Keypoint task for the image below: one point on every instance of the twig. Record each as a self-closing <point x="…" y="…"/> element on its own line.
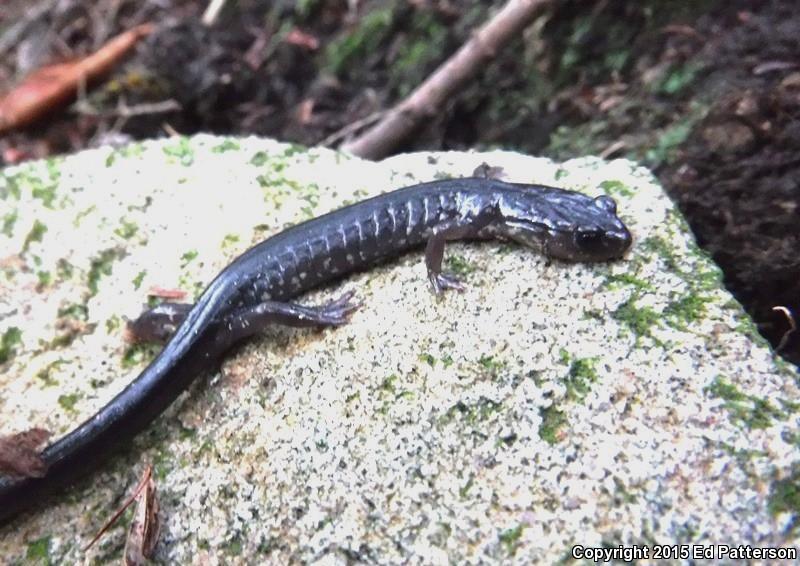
<point x="256" y="54"/>
<point x="770" y="66"/>
<point x="12" y="35"/>
<point x="127" y="112"/>
<point x="212" y="12"/>
<point x="792" y="327"/>
<point x="431" y="95"/>
<point x="171" y="132"/>
<point x="618" y="145"/>
<point x="677" y="29"/>
<point x="124" y="111"/>
<point x="352" y="128"/>
<point x="103" y="19"/>
<point x="148" y="471"/>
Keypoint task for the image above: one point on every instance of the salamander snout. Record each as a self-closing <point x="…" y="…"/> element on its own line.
<point x="589" y="243"/>
<point x="599" y="244"/>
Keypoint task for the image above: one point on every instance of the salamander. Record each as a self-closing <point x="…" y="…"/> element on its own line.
<point x="258" y="289"/>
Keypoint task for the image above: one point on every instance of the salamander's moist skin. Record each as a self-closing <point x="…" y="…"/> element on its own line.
<point x="256" y="289"/>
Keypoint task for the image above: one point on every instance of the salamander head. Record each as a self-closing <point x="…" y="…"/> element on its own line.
<point x="569" y="226"/>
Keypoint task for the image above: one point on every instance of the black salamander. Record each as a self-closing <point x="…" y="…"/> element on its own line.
<point x="257" y="289"/>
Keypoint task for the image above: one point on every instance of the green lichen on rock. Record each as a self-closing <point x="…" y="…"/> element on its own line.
<point x="11" y="338"/>
<point x="553" y="422"/>
<point x="753" y="412"/>
<point x="784" y="497"/>
<point x="638" y="319"/>
<point x="582" y="374"/>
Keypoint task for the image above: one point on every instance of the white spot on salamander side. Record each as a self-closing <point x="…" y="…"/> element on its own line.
<point x="360" y="230"/>
<point x="295" y="282"/>
<point x="326" y="263"/>
<point x="350" y="259"/>
<point x="393" y="217"/>
<point x="376" y="223"/>
<point x="303" y="275"/>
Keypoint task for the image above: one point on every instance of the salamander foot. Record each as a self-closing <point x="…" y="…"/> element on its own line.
<point x="443" y="281"/>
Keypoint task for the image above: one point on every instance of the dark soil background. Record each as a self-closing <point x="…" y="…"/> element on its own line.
<point x="706" y="93"/>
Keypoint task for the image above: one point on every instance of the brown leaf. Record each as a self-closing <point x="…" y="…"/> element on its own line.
<point x="143" y="533"/>
<point x="305" y="111"/>
<point x="51" y="87"/>
<point x="19" y="453"/>
<point x="12" y="155"/>
<point x="302" y="39"/>
<point x="164" y="293"/>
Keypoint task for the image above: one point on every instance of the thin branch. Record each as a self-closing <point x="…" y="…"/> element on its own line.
<point x="212" y="12"/>
<point x="610" y="150"/>
<point x="351" y="128"/>
<point x="122" y="110"/>
<point x="103" y="19"/>
<point x="792" y="326"/>
<point x="148" y="473"/>
<point x="427" y="100"/>
<point x="11" y="37"/>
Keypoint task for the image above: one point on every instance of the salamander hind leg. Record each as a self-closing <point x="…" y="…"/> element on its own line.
<point x="251" y="320"/>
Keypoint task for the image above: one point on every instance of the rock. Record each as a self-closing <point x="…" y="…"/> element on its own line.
<point x="549" y="405"/>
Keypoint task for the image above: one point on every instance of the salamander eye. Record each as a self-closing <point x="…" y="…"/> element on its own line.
<point x="588" y="239"/>
<point x="606" y="203"/>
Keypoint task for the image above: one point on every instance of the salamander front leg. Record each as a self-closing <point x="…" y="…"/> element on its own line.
<point x="434" y="253"/>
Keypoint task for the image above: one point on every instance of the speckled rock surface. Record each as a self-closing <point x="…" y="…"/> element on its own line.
<point x="547" y="406"/>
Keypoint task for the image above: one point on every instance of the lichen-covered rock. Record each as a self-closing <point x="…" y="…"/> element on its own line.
<point x="549" y="405"/>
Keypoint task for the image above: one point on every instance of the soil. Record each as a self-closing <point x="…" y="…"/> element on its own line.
<point x="706" y="93"/>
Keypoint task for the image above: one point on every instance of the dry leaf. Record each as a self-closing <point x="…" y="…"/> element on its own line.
<point x="305" y="111"/>
<point x="143" y="534"/>
<point x="20" y="455"/>
<point x="163" y="293"/>
<point x="302" y="39"/>
<point x="53" y="86"/>
<point x="12" y="155"/>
